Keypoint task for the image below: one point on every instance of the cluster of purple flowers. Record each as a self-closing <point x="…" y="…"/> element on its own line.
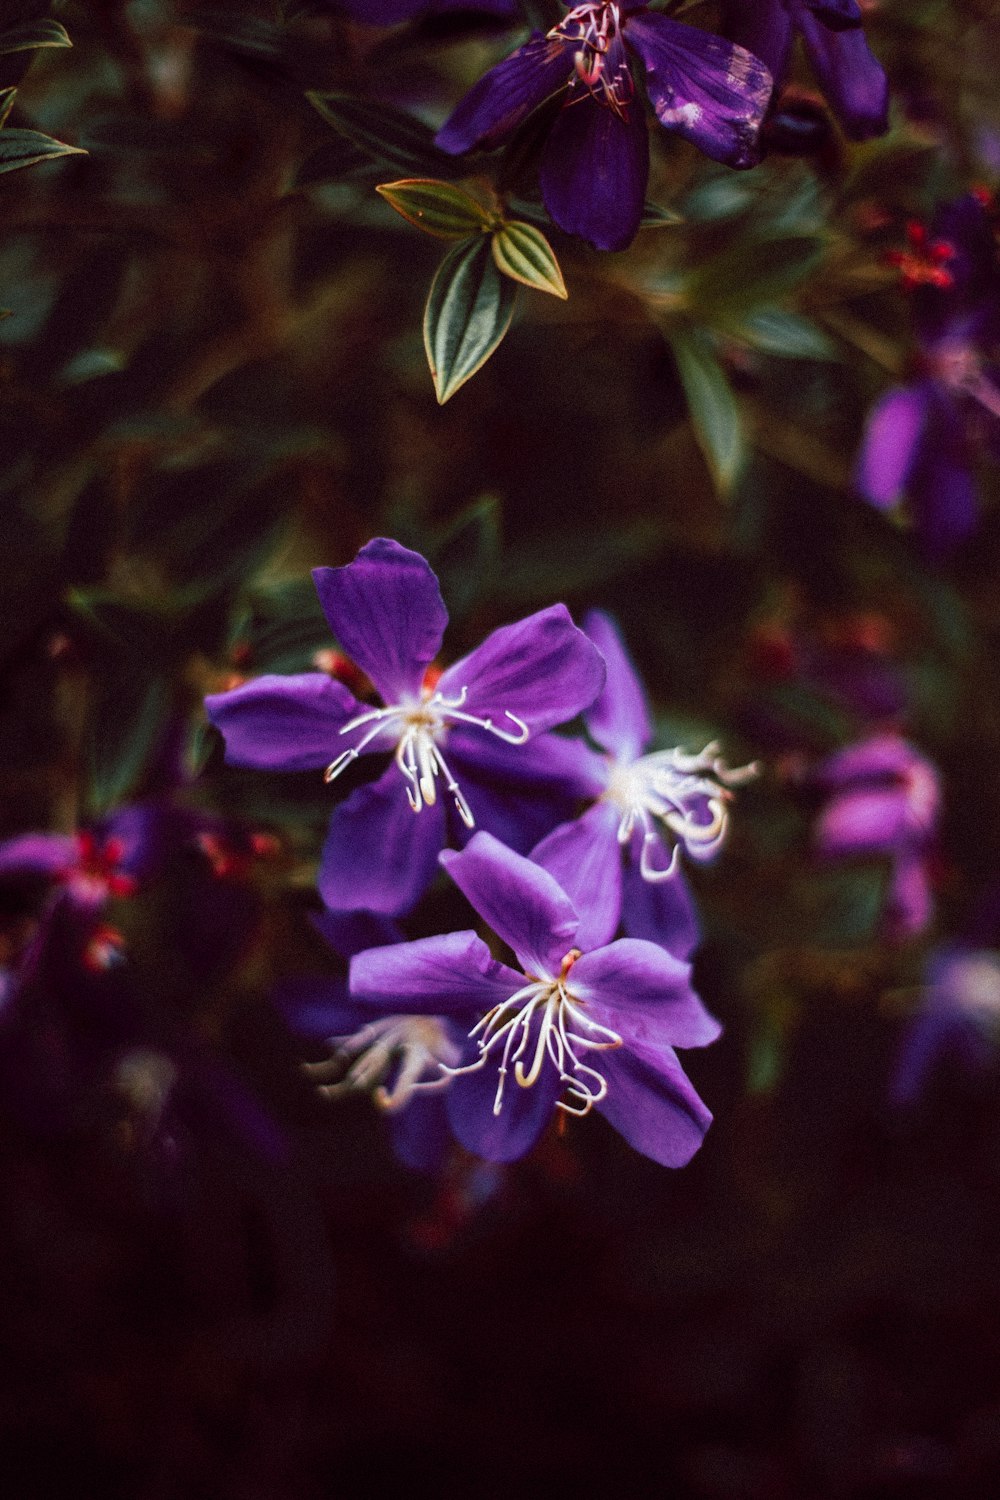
<point x="923" y="436"/>
<point x="712" y="90"/>
<point x="451" y="1039"/>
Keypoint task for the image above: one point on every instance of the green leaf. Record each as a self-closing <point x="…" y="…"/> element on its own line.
<point x="522" y="252"/>
<point x="467" y="314"/>
<point x="654" y="216"/>
<point x="712" y="405"/>
<point x="22" y="148"/>
<point x="25" y="38"/>
<point x="388" y="135"/>
<point x="438" y="208"/>
<point x="7" y="97"/>
<point x="786" y="334"/>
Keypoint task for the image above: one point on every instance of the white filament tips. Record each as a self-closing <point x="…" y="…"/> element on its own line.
<point x="418" y="727"/>
<point x="543" y="1021"/>
<point x="677" y="801"/>
<point x="409" y="1050"/>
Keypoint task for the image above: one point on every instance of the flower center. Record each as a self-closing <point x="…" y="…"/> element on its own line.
<point x="544" y="1020"/>
<point x="418" y="727"/>
<point x="599" y="58"/>
<point x="403" y="1048"/>
<point x="675" y="800"/>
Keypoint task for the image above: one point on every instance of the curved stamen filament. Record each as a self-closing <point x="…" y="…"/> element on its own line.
<point x="418" y="727"/>
<point x="418" y="1043"/>
<point x="563" y="1030"/>
<point x="666" y="795"/>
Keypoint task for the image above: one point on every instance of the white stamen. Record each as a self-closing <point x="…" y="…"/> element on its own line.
<point x="418" y="1044"/>
<point x="563" y="1030"/>
<point x="665" y="795"/>
<point x="418" y="727"/>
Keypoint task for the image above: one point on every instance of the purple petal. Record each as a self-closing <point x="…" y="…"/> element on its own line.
<point x="39" y="854"/>
<point x="283" y="723"/>
<point x="710" y="91"/>
<point x="585" y="859"/>
<point x="542" y="669"/>
<point x="421" y="1139"/>
<point x="891" y="443"/>
<point x="763" y="27"/>
<point x="619" y="720"/>
<point x="506" y="95"/>
<point x="348" y="932"/>
<point x="852" y="79"/>
<point x="380" y="856"/>
<point x="652" y="1103"/>
<point x="520" y="901"/>
<point x="838" y="15"/>
<point x="385" y="609"/>
<point x="553" y="761"/>
<point x="909" y="902"/>
<point x="863" y="821"/>
<point x="594" y="171"/>
<point x="523" y="1116"/>
<point x="642" y="991"/>
<point x="518" y="816"/>
<point x="943" y="486"/>
<point x="661" y="911"/>
<point x="319" y="1008"/>
<point x="883" y="756"/>
<point x="454" y="974"/>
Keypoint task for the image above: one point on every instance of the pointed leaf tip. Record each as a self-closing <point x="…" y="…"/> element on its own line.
<point x="467" y="314"/>
<point x="438" y="208"/>
<point x="522" y="252"/>
<point x="714" y="411"/>
<point x="43" y="33"/>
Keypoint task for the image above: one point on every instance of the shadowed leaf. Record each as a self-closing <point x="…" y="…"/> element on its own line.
<point x="22" y="148"/>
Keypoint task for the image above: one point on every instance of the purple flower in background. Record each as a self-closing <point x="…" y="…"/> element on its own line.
<point x="595" y="161"/>
<point x="959" y="1017"/>
<point x="91" y="866"/>
<point x="922" y="438"/>
<point x="851" y="78"/>
<point x="397" y="1059"/>
<point x="473" y="721"/>
<point x="885" y="799"/>
<point x="623" y="853"/>
<point x="580" y="1027"/>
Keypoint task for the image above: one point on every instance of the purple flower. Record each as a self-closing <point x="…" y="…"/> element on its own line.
<point x="581" y="1026"/>
<point x="397" y="1059"/>
<point x="72" y="1027"/>
<point x="595" y="161"/>
<point x="624" y="851"/>
<point x="922" y="438"/>
<point x="851" y="78"/>
<point x="470" y="724"/>
<point x="91" y="866"/>
<point x="959" y="1017"/>
<point x="885" y="800"/>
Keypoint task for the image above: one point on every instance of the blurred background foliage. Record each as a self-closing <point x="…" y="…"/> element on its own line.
<point x="213" y="379"/>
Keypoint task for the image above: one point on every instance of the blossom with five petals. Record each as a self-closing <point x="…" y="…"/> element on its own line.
<point x="462" y="736"/>
<point x="595" y="161"/>
<point x="580" y="1026"/>
<point x="625" y="848"/>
